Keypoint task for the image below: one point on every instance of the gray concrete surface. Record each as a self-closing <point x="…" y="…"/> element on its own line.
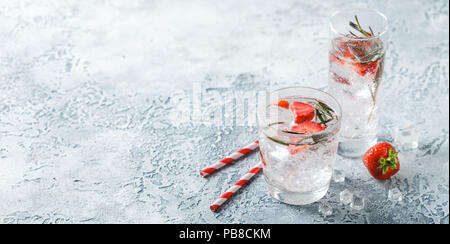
<point x="90" y="93"/>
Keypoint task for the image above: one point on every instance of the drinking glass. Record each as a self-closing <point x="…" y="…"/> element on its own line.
<point x="298" y="166"/>
<point x="358" y="39"/>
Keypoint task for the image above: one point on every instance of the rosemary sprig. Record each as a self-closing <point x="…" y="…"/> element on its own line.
<point x="320" y="116"/>
<point x="293" y="132"/>
<point x="371" y="55"/>
<point x="377" y="85"/>
<point x="365" y="33"/>
<point x="327" y="109"/>
<point x="353" y="34"/>
<point x="371" y="31"/>
<point x="358" y="27"/>
<point x="286" y="143"/>
<point x="276" y="123"/>
<point x="323" y="112"/>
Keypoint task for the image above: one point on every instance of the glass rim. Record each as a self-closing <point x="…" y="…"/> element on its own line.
<point x="334" y="127"/>
<point x="386" y="24"/>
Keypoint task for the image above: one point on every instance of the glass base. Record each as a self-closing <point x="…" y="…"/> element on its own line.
<point x="297" y="198"/>
<point x="356" y="147"/>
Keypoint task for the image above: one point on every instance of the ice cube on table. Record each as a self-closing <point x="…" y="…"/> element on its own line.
<point x="325" y="209"/>
<point x="338" y="176"/>
<point x="395" y="195"/>
<point x="357" y="203"/>
<point x="407" y="137"/>
<point x="346" y="197"/>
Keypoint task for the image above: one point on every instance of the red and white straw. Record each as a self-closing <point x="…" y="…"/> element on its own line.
<point x="229" y="159"/>
<point x="238" y="185"/>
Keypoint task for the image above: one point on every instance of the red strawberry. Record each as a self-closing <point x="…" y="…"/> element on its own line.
<point x="308" y="127"/>
<point x="296" y="149"/>
<point x="346" y="56"/>
<point x="337" y="78"/>
<point x="302" y="112"/>
<point x="344" y="50"/>
<point x="283" y="104"/>
<point x="340" y="79"/>
<point x="370" y="68"/>
<point x="381" y="160"/>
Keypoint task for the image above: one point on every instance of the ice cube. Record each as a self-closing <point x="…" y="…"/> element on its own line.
<point x="395" y="195"/>
<point x="279" y="154"/>
<point x="338" y="176"/>
<point x="325" y="209"/>
<point x="357" y="203"/>
<point x="346" y="197"/>
<point x="407" y="137"/>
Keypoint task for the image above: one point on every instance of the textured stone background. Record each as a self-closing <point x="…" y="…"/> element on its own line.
<point x="88" y="90"/>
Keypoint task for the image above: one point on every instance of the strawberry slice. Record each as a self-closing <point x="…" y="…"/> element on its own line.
<point x="308" y="127"/>
<point x="370" y="68"/>
<point x="362" y="69"/>
<point x="302" y="112"/>
<point x="340" y="79"/>
<point x="283" y="104"/>
<point x="348" y="50"/>
<point x="296" y="149"/>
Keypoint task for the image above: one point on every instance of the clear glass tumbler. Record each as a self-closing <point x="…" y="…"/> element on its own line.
<point x="298" y="157"/>
<point x="358" y="39"/>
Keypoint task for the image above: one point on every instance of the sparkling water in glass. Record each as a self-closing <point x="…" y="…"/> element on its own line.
<point x="356" y="62"/>
<point x="298" y="166"/>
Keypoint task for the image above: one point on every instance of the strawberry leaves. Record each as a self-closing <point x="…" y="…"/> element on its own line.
<point x="390" y="161"/>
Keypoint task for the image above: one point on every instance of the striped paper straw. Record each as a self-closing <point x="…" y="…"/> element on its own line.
<point x="244" y="179"/>
<point x="229" y="159"/>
